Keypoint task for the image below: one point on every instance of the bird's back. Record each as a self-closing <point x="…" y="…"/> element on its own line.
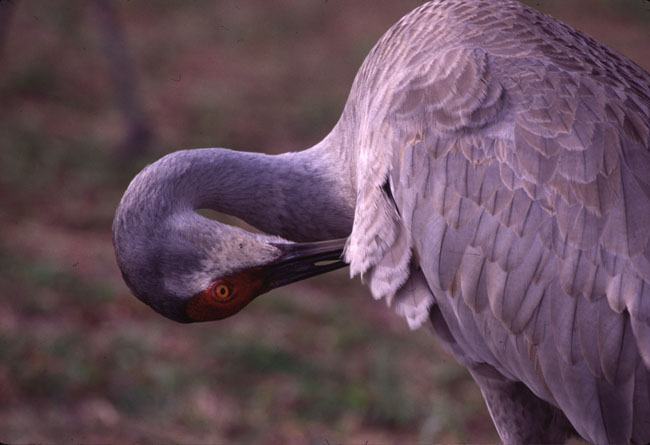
<point x="503" y="176"/>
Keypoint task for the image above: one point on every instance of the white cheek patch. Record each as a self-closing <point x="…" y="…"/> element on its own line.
<point x="210" y="250"/>
<point x="188" y="284"/>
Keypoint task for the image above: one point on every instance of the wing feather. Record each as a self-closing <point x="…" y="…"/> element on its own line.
<point x="641" y="415"/>
<point x="543" y="235"/>
<point x="472" y="274"/>
<point x="587" y="332"/>
<point x="522" y="175"/>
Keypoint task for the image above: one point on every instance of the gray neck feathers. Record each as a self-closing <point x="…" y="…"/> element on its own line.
<point x="166" y="250"/>
<point x="300" y="196"/>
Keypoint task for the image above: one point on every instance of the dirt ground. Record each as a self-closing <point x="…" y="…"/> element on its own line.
<point x="81" y="360"/>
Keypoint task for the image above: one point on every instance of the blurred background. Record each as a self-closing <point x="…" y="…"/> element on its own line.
<point x="92" y="91"/>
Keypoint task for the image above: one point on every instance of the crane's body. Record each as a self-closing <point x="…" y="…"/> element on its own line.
<point x="492" y="170"/>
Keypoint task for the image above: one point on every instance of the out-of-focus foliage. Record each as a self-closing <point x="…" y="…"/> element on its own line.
<point x="83" y="361"/>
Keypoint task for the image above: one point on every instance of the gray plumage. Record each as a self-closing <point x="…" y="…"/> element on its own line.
<point x="493" y="166"/>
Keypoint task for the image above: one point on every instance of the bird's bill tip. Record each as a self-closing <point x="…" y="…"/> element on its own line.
<point x="300" y="261"/>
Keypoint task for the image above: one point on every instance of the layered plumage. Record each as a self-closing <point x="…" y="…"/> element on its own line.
<point x="516" y="150"/>
<point x="496" y="164"/>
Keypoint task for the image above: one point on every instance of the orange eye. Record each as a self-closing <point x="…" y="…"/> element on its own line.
<point x="221" y="291"/>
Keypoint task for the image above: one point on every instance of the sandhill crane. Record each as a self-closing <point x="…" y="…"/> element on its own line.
<point x="490" y="174"/>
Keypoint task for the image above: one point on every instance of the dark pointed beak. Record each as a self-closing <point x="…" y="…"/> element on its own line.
<point x="228" y="295"/>
<point x="304" y="260"/>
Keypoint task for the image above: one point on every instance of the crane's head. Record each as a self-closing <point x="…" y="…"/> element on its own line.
<point x="209" y="271"/>
<point x="191" y="268"/>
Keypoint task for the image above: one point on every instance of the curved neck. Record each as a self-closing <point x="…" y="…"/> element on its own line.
<point x="303" y="196"/>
